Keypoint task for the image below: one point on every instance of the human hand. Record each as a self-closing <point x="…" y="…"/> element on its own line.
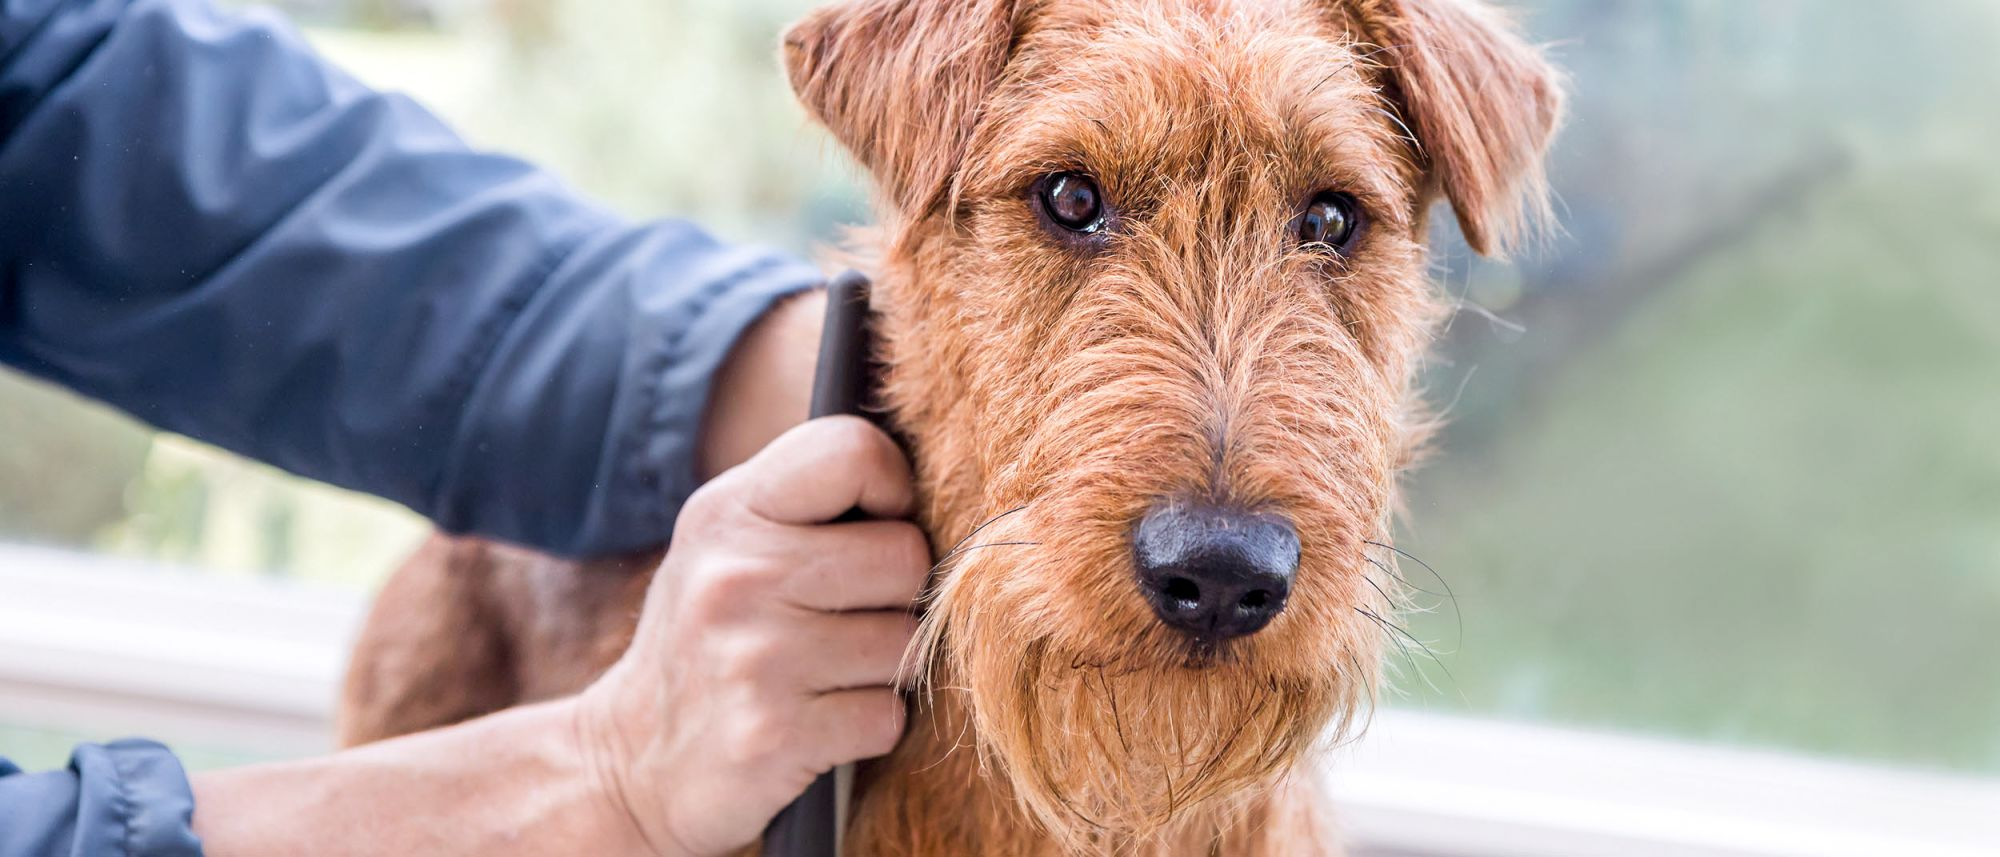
<point x="768" y="644"/>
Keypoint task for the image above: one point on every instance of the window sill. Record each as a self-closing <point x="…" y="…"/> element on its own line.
<point x="105" y="646"/>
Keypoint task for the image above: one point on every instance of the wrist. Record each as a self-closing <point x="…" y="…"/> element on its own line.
<point x="617" y="812"/>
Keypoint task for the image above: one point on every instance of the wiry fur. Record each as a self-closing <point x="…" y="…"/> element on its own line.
<point x="1050" y="392"/>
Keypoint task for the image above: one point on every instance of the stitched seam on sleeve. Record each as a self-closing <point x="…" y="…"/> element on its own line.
<point x="636" y="446"/>
<point x="473" y="364"/>
<point x="121" y="799"/>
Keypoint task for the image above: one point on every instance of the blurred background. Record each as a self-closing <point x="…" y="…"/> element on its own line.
<point x="1723" y="461"/>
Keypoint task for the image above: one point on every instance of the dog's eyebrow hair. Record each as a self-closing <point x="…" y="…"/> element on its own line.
<point x="1408" y="135"/>
<point x="1349" y="64"/>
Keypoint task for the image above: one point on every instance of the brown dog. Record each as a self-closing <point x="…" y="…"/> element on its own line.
<point x="1151" y="277"/>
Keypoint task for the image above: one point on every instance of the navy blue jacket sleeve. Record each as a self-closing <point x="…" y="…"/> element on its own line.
<point x="123" y="799"/>
<point x="207" y="226"/>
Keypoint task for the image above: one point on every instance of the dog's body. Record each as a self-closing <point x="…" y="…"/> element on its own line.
<point x="1151" y="286"/>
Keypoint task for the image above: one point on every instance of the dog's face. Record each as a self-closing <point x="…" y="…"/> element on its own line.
<point x="1154" y="286"/>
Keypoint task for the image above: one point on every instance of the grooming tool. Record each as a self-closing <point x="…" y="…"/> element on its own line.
<point x="814" y="824"/>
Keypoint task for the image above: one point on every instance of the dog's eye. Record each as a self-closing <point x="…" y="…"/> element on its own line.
<point x="1073" y="202"/>
<point x="1331" y="220"/>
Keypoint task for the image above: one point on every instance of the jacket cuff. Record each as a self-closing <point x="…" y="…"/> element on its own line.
<point x="134" y="800"/>
<point x="677" y="388"/>
<point x="580" y="431"/>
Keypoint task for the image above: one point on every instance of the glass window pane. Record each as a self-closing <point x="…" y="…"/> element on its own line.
<point x="1721" y="460"/>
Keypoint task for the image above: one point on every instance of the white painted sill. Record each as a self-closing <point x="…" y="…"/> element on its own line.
<point x="103" y="646"/>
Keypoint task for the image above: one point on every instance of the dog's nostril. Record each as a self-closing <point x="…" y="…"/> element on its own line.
<point x="1183" y="591"/>
<point x="1214" y="573"/>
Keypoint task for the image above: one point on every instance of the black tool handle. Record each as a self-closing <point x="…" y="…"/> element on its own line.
<point x="810" y="826"/>
<point x="846" y="372"/>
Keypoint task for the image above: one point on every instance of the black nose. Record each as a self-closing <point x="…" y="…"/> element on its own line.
<point x="1212" y="572"/>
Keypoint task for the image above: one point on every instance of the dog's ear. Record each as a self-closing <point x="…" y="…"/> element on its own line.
<point x="1482" y="102"/>
<point x="900" y="83"/>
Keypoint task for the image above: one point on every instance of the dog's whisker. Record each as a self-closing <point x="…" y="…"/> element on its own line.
<point x="1398" y="629"/>
<point x="1403" y="650"/>
<point x="987" y="523"/>
<point x="1400" y="579"/>
<point x="956" y="552"/>
<point x="928" y="645"/>
<point x="1412" y="557"/>
<point x="1458" y="615"/>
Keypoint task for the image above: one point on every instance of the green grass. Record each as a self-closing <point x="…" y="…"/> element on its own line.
<point x="1767" y="511"/>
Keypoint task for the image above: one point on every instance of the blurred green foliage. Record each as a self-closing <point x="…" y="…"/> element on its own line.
<point x="1722" y="460"/>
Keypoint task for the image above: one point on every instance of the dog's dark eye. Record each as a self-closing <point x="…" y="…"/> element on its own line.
<point x="1073" y="202"/>
<point x="1331" y="220"/>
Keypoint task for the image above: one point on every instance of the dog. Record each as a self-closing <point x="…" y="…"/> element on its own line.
<point x="1151" y="278"/>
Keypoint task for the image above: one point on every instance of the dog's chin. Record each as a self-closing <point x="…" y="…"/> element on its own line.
<point x="1101" y="750"/>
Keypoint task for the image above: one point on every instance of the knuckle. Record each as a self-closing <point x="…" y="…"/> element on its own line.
<point x="751" y="661"/>
<point x="755" y="739"/>
<point x="851" y="438"/>
<point x="725" y="587"/>
<point x="707" y="507"/>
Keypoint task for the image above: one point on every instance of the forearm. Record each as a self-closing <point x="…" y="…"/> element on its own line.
<point x="517" y="782"/>
<point x="765" y="387"/>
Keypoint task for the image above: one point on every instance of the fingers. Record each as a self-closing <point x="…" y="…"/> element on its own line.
<point x="865" y="565"/>
<point x="851" y="725"/>
<point x="834" y="652"/>
<point x="827" y="466"/>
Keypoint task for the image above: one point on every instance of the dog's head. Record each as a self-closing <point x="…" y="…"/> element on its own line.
<point x="1153" y="288"/>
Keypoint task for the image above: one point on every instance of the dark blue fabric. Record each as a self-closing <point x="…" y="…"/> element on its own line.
<point x="123" y="798"/>
<point x="207" y="226"/>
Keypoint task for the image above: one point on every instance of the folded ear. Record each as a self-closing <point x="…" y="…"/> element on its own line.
<point x="900" y="83"/>
<point x="1482" y="102"/>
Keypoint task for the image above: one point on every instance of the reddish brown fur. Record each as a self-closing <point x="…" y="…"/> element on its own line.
<point x="1051" y="394"/>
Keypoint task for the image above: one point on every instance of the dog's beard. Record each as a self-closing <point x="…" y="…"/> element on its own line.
<point x="1105" y="727"/>
<point x="1131" y="747"/>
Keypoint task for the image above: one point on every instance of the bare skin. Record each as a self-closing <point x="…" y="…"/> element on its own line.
<point x="765" y="654"/>
<point x="764" y="386"/>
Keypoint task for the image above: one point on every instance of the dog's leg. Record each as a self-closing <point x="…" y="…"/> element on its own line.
<point x="433" y="651"/>
<point x="467" y="628"/>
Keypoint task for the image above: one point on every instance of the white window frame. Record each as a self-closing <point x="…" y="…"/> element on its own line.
<point x="90" y="644"/>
